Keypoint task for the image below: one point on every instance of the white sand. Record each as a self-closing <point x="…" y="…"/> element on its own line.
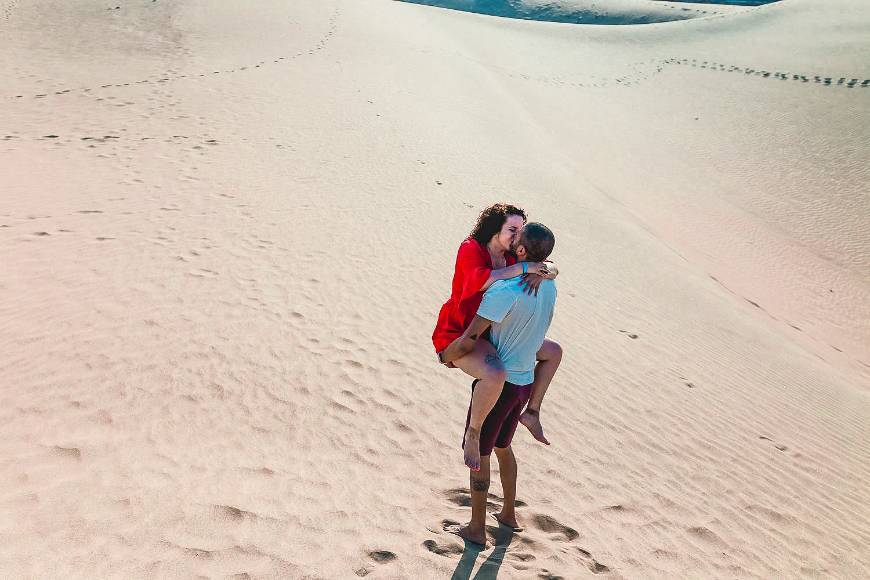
<point x="220" y="277"/>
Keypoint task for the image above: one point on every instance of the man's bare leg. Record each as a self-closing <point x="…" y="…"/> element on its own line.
<point x="482" y="363"/>
<point x="549" y="356"/>
<point x="475" y="531"/>
<point x="507" y="467"/>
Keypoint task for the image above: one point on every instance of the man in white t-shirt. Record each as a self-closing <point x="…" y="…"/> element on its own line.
<point x="519" y="324"/>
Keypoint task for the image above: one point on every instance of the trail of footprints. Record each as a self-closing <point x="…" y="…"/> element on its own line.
<point x="644" y="70"/>
<point x="638" y="76"/>
<point x="544" y="537"/>
<point x="199" y="142"/>
<point x="849" y="83"/>
<point x="166" y="78"/>
<point x="7" y="8"/>
<point x="625" y="80"/>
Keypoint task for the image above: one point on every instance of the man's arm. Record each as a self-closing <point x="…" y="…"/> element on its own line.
<point x="465" y="343"/>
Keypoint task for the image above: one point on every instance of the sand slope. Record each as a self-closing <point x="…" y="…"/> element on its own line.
<point x="225" y="231"/>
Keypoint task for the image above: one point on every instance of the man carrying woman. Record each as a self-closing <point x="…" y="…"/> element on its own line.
<point x="519" y="322"/>
<point x="484" y="257"/>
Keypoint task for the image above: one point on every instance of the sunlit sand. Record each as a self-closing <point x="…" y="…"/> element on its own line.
<point x="226" y="229"/>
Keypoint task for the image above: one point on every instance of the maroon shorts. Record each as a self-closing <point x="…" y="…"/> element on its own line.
<point x="501" y="423"/>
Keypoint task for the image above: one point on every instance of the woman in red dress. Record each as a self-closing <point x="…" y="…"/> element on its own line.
<point x="484" y="257"/>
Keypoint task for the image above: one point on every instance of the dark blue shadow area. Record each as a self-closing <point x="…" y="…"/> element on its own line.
<point x="553" y="12"/>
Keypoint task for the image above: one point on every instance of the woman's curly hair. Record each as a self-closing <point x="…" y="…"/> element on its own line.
<point x="490" y="221"/>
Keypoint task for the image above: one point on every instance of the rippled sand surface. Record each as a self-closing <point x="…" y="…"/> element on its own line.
<point x="226" y="230"/>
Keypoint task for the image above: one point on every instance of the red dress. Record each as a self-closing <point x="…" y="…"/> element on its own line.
<point x="473" y="267"/>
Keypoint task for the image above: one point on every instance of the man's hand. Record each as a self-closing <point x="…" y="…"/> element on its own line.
<point x="465" y="343"/>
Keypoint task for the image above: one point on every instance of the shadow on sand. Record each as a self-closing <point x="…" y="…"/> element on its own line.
<point x="489" y="569"/>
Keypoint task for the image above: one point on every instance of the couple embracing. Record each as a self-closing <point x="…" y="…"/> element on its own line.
<point x="494" y="328"/>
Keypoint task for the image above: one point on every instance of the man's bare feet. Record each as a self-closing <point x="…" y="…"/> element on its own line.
<point x="472" y="449"/>
<point x="532" y="422"/>
<point x="474" y="536"/>
<point x="510" y="522"/>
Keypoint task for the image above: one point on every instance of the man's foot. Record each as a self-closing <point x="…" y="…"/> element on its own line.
<point x="472" y="449"/>
<point x="532" y="422"/>
<point x="509" y="522"/>
<point x="474" y="536"/>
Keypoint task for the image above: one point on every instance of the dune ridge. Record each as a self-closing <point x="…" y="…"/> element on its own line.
<point x="631" y="12"/>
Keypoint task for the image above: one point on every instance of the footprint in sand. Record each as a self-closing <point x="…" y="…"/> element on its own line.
<point x="594" y="566"/>
<point x="446" y="550"/>
<point x="559" y="532"/>
<point x="522" y="556"/>
<point x="379" y="557"/>
<point x="551" y="526"/>
<point x="69" y="452"/>
<point x="231" y="513"/>
<point x="522" y="549"/>
<point x="382" y="556"/>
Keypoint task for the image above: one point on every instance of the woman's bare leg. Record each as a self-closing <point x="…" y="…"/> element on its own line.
<point x="549" y="356"/>
<point x="482" y="363"/>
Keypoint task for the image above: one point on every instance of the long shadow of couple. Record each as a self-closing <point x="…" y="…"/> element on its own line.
<point x="489" y="569"/>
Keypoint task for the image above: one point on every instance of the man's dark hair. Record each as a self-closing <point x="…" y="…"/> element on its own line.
<point x="538" y="241"/>
<point x="490" y="221"/>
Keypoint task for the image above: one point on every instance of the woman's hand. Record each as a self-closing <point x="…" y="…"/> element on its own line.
<point x="537" y="272"/>
<point x="539" y="268"/>
<point x="530" y="282"/>
<point x="552" y="271"/>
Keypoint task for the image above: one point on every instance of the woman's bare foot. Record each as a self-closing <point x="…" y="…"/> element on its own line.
<point x="472" y="449"/>
<point x="532" y="422"/>
<point x="510" y="522"/>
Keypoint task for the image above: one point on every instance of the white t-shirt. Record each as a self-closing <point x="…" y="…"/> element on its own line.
<point x="519" y="324"/>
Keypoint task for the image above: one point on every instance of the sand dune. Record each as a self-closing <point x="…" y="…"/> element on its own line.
<point x="226" y="229"/>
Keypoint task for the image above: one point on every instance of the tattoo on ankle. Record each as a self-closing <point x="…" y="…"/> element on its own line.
<point x="532" y="411"/>
<point x="473" y="337"/>
<point x="479" y="485"/>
